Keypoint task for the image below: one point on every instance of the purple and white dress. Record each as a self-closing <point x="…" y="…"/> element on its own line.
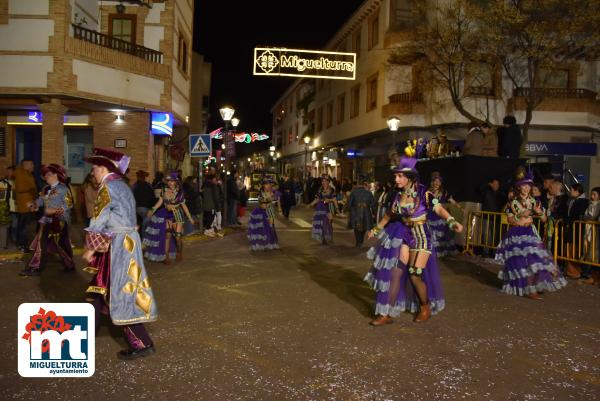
<point x="441" y="235"/>
<point x="528" y="267"/>
<point x="408" y="227"/>
<point x="261" y="228"/>
<point x="322" y="228"/>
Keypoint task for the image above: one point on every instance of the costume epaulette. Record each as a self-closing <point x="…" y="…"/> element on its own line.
<point x="102" y="201"/>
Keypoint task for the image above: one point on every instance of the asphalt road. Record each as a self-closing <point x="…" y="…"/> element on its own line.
<point x="293" y="325"/>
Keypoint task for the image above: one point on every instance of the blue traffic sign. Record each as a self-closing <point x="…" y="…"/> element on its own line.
<point x="200" y="145"/>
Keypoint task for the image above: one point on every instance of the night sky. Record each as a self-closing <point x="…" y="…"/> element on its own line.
<point x="226" y="33"/>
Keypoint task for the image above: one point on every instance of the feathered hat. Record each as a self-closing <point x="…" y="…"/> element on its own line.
<point x="524" y="177"/>
<point x="172" y="176"/>
<point x="55" y="169"/>
<point x="406" y="165"/>
<point x="114" y="161"/>
<point x="267" y="180"/>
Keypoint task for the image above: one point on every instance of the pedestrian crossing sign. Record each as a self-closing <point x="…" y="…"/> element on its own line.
<point x="200" y="145"/>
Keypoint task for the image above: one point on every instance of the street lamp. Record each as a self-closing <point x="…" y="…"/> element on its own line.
<point x="306" y="146"/>
<point x="393" y="124"/>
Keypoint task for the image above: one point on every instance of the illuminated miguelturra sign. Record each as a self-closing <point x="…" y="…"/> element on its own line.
<point x="304" y="63"/>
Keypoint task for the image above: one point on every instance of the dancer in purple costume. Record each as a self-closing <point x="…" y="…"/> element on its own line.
<point x="528" y="267"/>
<point x="326" y="206"/>
<point x="441" y="234"/>
<point x="261" y="226"/>
<point x="165" y="229"/>
<point x="405" y="245"/>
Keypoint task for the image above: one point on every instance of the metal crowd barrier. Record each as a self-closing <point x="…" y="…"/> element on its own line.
<point x="577" y="241"/>
<point x="487" y="229"/>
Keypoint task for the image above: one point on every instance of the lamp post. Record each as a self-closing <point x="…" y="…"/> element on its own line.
<point x="226" y="114"/>
<point x="306" y="146"/>
<point x="393" y="124"/>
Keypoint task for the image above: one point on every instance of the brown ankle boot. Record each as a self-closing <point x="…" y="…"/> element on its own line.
<point x="424" y="314"/>
<point x="381" y="320"/>
<point x="167" y="261"/>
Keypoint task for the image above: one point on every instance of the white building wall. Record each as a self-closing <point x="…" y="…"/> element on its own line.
<point x="93" y="78"/>
<point x="26" y="35"/>
<point x="152" y="36"/>
<point x="29" y="7"/>
<point x="153" y="16"/>
<point x="25" y="71"/>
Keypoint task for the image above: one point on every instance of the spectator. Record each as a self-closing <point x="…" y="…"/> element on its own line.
<point x="509" y="138"/>
<point x="576" y="208"/>
<point x="557" y="210"/>
<point x="546" y="189"/>
<point x="298" y="185"/>
<point x="14" y="216"/>
<point x="243" y="201"/>
<point x="233" y="199"/>
<point x="193" y="201"/>
<point x="5" y="215"/>
<point x="25" y="193"/>
<point x="287" y="196"/>
<point x="489" y="145"/>
<point x="144" y="199"/>
<point x="493" y="201"/>
<point x="474" y="143"/>
<point x="210" y="204"/>
<point x="591" y="275"/>
<point x="158" y="184"/>
<point x="90" y="193"/>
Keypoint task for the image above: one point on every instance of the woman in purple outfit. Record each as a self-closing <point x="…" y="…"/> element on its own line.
<point x="261" y="226"/>
<point x="528" y="267"/>
<point x="326" y="207"/>
<point x="405" y="246"/>
<point x="165" y="229"/>
<point x="441" y="234"/>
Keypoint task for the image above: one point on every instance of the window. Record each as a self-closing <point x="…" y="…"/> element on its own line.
<point x="374" y="31"/>
<point x="482" y="79"/>
<point x="341" y="108"/>
<point x="554" y="78"/>
<point x="296" y="131"/>
<point x="290" y="136"/>
<point x="319" y="119"/>
<point x="372" y="92"/>
<point x="182" y="57"/>
<point x="329" y="122"/>
<point x="401" y="14"/>
<point x="122" y="26"/>
<point x="354" y="101"/>
<point x="356" y="45"/>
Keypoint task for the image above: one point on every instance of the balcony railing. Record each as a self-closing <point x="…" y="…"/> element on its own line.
<point x="100" y="39"/>
<point x="556" y="93"/>
<point x="407" y="97"/>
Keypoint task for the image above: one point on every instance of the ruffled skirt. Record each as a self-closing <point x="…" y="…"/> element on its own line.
<point x="155" y="237"/>
<point x="322" y="229"/>
<point x="386" y="256"/>
<point x="528" y="267"/>
<point x="261" y="234"/>
<point x="441" y="235"/>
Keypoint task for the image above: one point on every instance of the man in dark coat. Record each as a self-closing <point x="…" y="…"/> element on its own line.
<point x="288" y="199"/>
<point x="362" y="208"/>
<point x="144" y="199"/>
<point x="509" y="138"/>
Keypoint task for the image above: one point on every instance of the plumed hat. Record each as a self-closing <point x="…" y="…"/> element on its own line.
<point x="114" y="161"/>
<point x="172" y="176"/>
<point x="56" y="169"/>
<point x="406" y="165"/>
<point x="524" y="177"/>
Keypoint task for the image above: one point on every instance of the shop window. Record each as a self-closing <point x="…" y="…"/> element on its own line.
<point x="372" y="92"/>
<point x="354" y="101"/>
<point x="122" y="26"/>
<point x="329" y="117"/>
<point x="341" y="108"/>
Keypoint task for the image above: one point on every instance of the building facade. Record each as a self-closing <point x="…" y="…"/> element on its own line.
<point x="78" y="74"/>
<point x="346" y="120"/>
